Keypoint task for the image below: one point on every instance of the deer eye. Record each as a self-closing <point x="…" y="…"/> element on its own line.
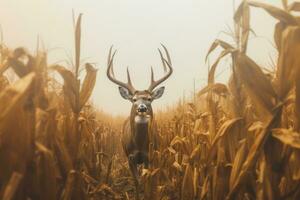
<point x="134" y="99"/>
<point x="149" y="98"/>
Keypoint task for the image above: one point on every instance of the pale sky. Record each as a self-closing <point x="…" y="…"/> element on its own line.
<point x="136" y="28"/>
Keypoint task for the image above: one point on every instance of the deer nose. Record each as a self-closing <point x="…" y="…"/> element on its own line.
<point x="142" y="108"/>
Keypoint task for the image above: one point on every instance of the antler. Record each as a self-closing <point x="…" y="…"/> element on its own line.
<point x="110" y="73"/>
<point x="166" y="64"/>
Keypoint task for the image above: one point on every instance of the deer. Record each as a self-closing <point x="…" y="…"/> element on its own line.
<point x="140" y="126"/>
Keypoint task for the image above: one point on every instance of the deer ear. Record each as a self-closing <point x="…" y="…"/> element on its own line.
<point x="125" y="93"/>
<point x="158" y="93"/>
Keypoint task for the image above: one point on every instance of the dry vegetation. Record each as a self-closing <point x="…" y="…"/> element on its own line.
<point x="235" y="141"/>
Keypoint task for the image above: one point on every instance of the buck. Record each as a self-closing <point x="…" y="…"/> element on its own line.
<point x="140" y="125"/>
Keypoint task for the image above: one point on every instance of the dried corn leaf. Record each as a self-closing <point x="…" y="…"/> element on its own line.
<point x="257" y="85"/>
<point x="77" y="43"/>
<point x="264" y="185"/>
<point x="88" y="84"/>
<point x="287" y="137"/>
<point x="45" y="165"/>
<point x="15" y="95"/>
<point x="239" y="12"/>
<point x="238" y="162"/>
<point x="294" y="164"/>
<point x="211" y="74"/>
<point x="187" y="189"/>
<point x="242" y="19"/>
<point x="195" y="182"/>
<point x="63" y="156"/>
<point x="295" y="6"/>
<point x="150" y="185"/>
<point x="216" y="43"/>
<point x="177" y="166"/>
<point x="16" y="130"/>
<point x="254" y="152"/>
<point x="205" y="188"/>
<point x="284" y="4"/>
<point x="297" y="101"/>
<point x="279" y="28"/>
<point x="288" y="61"/>
<point x="12" y="186"/>
<point x="225" y="129"/>
<point x="277" y="13"/>
<point x="182" y="143"/>
<point x="217" y="88"/>
<point x="4" y="66"/>
<point x="195" y="154"/>
<point x="70" y="86"/>
<point x="3" y="82"/>
<point x="19" y="67"/>
<point x="69" y="186"/>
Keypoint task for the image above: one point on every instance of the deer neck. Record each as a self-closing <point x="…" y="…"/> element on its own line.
<point x="140" y="126"/>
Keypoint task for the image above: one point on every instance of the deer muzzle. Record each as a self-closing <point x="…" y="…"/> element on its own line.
<point x="142" y="108"/>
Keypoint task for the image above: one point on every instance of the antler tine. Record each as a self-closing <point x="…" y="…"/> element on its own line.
<point x="162" y="60"/>
<point x="128" y="77"/>
<point x="111" y="61"/>
<point x="152" y="75"/>
<point x="110" y="73"/>
<point x="109" y="56"/>
<point x="167" y="53"/>
<point x="167" y="64"/>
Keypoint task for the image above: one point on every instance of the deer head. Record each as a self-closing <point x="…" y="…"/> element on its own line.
<point x="141" y="99"/>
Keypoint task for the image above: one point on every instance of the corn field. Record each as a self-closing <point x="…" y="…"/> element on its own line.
<point x="239" y="140"/>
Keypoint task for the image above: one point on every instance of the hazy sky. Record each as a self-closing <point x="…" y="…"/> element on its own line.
<point x="136" y="28"/>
